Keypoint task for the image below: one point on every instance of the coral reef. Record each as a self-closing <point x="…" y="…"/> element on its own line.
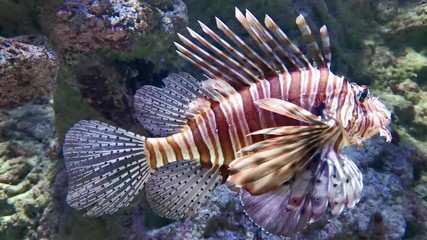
<point x="86" y="26"/>
<point x="28" y="159"/>
<point x="83" y="26"/>
<point x="27" y="70"/>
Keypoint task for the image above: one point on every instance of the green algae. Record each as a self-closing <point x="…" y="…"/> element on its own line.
<point x="69" y="106"/>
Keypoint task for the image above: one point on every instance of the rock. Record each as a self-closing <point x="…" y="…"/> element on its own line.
<point x="14" y="170"/>
<point x="26" y="170"/>
<point x="410" y="89"/>
<point x="387" y="10"/>
<point x="408" y="26"/>
<point x="88" y="25"/>
<point x="27" y="71"/>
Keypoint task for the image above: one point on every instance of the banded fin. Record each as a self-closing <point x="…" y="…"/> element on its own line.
<point x="262" y="38"/>
<point x="266" y="69"/>
<point x="295" y="54"/>
<point x="304" y="200"/>
<point x="267" y="164"/>
<point x="249" y="66"/>
<point x="164" y="111"/>
<point x="326" y="45"/>
<point x="274" y="161"/>
<point x="290" y="110"/>
<point x="311" y="184"/>
<point x="330" y="178"/>
<point x="239" y="70"/>
<point x="313" y="48"/>
<point x="243" y="65"/>
<point x="178" y="189"/>
<point x="269" y="211"/>
<point x="346" y="182"/>
<point x="106" y="167"/>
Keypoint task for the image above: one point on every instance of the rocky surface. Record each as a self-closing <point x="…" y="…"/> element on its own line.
<point x="28" y="159"/>
<point x="28" y="70"/>
<point x="88" y="25"/>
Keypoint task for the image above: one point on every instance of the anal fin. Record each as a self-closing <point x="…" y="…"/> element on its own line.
<point x="178" y="189"/>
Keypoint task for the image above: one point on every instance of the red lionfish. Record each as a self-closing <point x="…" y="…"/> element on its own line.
<point x="270" y="122"/>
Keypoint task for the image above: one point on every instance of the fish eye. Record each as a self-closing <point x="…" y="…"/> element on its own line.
<point x="363" y="94"/>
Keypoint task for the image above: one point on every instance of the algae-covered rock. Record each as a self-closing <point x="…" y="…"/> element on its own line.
<point x="27" y="70"/>
<point x="86" y="26"/>
<point x="28" y="158"/>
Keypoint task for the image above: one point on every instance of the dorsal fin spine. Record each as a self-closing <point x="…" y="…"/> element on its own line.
<point x="236" y="53"/>
<point x="275" y="48"/>
<point x="259" y="34"/>
<point x="244" y="74"/>
<point x="213" y="61"/>
<point x="195" y="59"/>
<point x="312" y="45"/>
<point x="220" y="70"/>
<point x="326" y="45"/>
<point x="250" y="53"/>
<point x="283" y="38"/>
<point x="242" y="19"/>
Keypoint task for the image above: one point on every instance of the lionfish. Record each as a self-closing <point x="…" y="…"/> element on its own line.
<point x="268" y="121"/>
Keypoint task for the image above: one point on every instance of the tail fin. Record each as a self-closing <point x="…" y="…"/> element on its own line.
<point x="106" y="167"/>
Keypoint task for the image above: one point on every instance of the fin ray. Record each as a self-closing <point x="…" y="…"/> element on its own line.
<point x="298" y="57"/>
<point x="164" y="111"/>
<point x="178" y="189"/>
<point x="312" y="45"/>
<point x="269" y="212"/>
<point x="106" y="167"/>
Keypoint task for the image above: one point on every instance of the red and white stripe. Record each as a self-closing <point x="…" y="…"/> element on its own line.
<point x="216" y="136"/>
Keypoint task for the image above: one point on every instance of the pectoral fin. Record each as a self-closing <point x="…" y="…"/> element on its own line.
<point x="328" y="179"/>
<point x="268" y="164"/>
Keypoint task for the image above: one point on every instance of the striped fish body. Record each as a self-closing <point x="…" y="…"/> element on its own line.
<point x="271" y="124"/>
<point x="217" y="135"/>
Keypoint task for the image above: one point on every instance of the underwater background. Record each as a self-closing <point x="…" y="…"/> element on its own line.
<point x="63" y="61"/>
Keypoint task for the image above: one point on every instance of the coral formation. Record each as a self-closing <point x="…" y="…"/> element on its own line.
<point x="83" y="26"/>
<point x="28" y="158"/>
<point x="27" y="70"/>
<point x="86" y="26"/>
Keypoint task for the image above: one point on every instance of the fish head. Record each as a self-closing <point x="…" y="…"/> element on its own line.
<point x="373" y="116"/>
